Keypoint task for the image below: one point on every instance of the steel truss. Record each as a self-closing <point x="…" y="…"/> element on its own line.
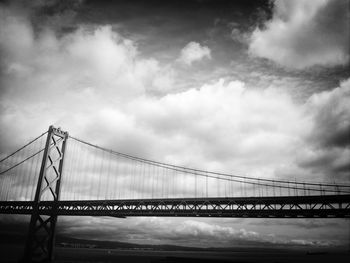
<point x="326" y="206"/>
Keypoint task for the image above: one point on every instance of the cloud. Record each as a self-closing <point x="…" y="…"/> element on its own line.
<point x="303" y="223"/>
<point x="95" y="83"/>
<point x="230" y="128"/>
<point x="238" y="36"/>
<point x="207" y="232"/>
<point x="226" y="123"/>
<point x="193" y="52"/>
<point x="329" y="136"/>
<point x="330" y="112"/>
<point x="47" y="77"/>
<point x="302" y="34"/>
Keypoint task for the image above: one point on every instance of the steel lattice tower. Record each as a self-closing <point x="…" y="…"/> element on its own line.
<point x="41" y="236"/>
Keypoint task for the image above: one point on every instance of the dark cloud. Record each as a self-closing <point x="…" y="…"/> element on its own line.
<point x="329" y="136"/>
<point x="302" y="34"/>
<point x="107" y="72"/>
<point x="332" y="126"/>
<point x="58" y="15"/>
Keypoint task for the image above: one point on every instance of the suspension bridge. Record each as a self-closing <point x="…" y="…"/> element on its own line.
<point x="57" y="174"/>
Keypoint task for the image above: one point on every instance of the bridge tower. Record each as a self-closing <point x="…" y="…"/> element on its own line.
<point x="41" y="235"/>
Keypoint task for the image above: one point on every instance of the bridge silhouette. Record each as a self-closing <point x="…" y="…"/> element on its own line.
<point x="56" y="174"/>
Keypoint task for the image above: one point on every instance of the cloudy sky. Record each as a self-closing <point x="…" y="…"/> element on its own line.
<point x="258" y="88"/>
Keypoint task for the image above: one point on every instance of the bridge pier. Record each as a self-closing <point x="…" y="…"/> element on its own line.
<point x="41" y="234"/>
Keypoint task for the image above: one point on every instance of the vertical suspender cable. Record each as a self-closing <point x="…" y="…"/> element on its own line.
<point x="100" y="177"/>
<point x="108" y="175"/>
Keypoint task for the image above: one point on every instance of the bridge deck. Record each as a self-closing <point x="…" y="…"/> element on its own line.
<point x="253" y="207"/>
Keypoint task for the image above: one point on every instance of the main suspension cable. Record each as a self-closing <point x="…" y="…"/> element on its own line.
<point x="23" y="147"/>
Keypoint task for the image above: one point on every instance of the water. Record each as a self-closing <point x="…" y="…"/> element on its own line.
<point x="11" y="253"/>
